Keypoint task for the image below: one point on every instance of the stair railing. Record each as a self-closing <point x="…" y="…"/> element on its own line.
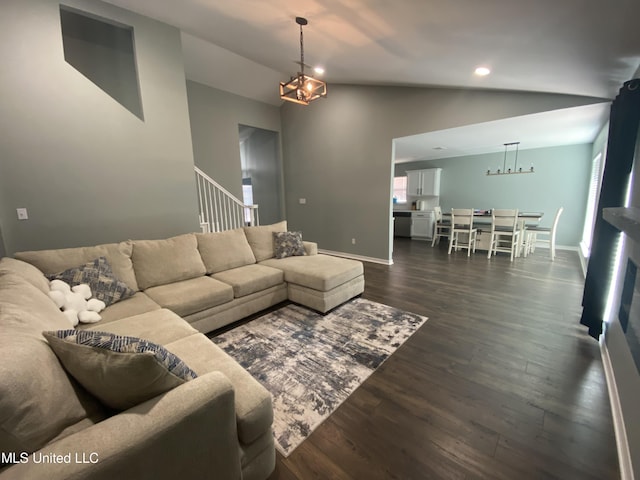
<point x="219" y="209"/>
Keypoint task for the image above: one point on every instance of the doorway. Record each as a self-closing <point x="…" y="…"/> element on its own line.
<point x="262" y="172"/>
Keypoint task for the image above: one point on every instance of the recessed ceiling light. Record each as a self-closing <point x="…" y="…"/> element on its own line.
<point x="319" y="70"/>
<point x="482" y="71"/>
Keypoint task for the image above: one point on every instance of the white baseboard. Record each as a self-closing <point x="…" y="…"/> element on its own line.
<point x="546" y="246"/>
<point x="568" y="247"/>
<point x="384" y="261"/>
<point x="624" y="455"/>
<point x="356" y="257"/>
<point x="583" y="262"/>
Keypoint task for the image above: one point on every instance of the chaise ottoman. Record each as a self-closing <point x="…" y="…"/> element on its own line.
<point x="321" y="282"/>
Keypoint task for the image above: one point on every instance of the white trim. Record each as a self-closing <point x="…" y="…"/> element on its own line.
<point x="584" y="261"/>
<point x="356" y="257"/>
<point x="624" y="455"/>
<point x="558" y="247"/>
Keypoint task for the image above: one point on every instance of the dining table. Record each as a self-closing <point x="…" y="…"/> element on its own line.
<point x="482" y="218"/>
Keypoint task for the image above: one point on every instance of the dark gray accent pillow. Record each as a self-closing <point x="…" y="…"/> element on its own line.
<point x="120" y="371"/>
<point x="99" y="276"/>
<point x="288" y="244"/>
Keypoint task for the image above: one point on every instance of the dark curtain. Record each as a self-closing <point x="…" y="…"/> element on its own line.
<point x="623" y="131"/>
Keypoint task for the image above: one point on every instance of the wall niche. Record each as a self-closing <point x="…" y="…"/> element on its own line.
<point x="104" y="52"/>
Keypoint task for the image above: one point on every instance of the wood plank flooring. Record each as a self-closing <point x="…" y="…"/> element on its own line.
<point x="500" y="383"/>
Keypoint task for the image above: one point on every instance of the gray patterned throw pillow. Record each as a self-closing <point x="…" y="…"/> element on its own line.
<point x="99" y="276"/>
<point x="120" y="371"/>
<point x="288" y="244"/>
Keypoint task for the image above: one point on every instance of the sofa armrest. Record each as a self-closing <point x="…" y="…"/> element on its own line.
<point x="310" y="247"/>
<point x="188" y="432"/>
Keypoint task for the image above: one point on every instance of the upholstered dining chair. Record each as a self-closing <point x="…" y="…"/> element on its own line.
<point x="462" y="224"/>
<point x="505" y="232"/>
<point x="549" y="236"/>
<point x="441" y="228"/>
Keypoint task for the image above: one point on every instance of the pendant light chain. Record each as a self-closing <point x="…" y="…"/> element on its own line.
<point x="301" y="51"/>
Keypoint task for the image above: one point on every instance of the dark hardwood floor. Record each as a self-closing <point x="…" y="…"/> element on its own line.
<point x="501" y="382"/>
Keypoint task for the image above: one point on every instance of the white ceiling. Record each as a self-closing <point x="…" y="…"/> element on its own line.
<point x="578" y="47"/>
<point x="570" y="126"/>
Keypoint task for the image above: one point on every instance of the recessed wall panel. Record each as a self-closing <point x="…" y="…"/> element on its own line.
<point x="104" y="53"/>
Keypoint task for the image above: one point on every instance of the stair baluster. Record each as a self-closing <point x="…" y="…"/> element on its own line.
<point x="219" y="209"/>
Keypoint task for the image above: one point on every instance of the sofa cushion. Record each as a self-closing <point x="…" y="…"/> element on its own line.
<point x="190" y="296"/>
<point x="158" y="326"/>
<point x="224" y="250"/>
<point x="98" y="275"/>
<point x="27" y="271"/>
<point x="53" y="261"/>
<point x="250" y="279"/>
<point x="121" y="371"/>
<point x="320" y="272"/>
<point x="254" y="411"/>
<point x="158" y="262"/>
<point x="288" y="244"/>
<point x="261" y="239"/>
<point x="38" y="400"/>
<point x="135" y="305"/>
<point x="323" y="301"/>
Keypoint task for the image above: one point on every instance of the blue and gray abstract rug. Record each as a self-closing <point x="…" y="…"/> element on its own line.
<point x="311" y="362"/>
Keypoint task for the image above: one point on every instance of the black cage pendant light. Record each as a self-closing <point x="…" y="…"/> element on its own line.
<point x="302" y="88"/>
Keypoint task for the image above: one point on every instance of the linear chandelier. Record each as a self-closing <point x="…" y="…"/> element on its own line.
<point x="302" y="89"/>
<point x="509" y="171"/>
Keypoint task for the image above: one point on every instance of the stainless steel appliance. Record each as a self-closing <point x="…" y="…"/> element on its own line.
<point x="402" y="224"/>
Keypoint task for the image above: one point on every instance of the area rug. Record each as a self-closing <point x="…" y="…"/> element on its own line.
<point x="311" y="362"/>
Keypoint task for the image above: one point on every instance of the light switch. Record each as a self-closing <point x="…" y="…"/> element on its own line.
<point x="22" y="214"/>
<point x="302" y="201"/>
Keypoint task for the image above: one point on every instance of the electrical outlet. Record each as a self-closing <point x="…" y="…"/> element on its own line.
<point x="22" y="214"/>
<point x="353" y="241"/>
<point x="302" y="201"/>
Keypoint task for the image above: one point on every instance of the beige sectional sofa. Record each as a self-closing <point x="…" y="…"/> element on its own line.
<point x="217" y="425"/>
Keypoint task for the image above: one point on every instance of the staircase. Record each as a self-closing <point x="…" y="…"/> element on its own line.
<point x="219" y="209"/>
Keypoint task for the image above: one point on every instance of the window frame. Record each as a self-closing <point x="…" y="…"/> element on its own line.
<point x="591" y="210"/>
<point x="400" y="191"/>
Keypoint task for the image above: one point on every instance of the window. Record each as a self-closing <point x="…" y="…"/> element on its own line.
<point x="400" y="189"/>
<point x="592" y="204"/>
<point x="247" y="198"/>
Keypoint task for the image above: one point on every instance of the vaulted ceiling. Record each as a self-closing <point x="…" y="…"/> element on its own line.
<point x="578" y="47"/>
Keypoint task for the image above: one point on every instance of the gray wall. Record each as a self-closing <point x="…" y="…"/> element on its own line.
<point x="3" y="250"/>
<point x="215" y="116"/>
<point x="87" y="169"/>
<point x="561" y="179"/>
<point x="338" y="153"/>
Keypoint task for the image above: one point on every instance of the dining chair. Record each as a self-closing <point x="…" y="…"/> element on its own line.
<point x="462" y="223"/>
<point x="549" y="235"/>
<point x="442" y="228"/>
<point x="505" y="232"/>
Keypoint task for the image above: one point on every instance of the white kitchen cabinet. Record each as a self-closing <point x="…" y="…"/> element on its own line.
<point x="424" y="182"/>
<point x="422" y="225"/>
